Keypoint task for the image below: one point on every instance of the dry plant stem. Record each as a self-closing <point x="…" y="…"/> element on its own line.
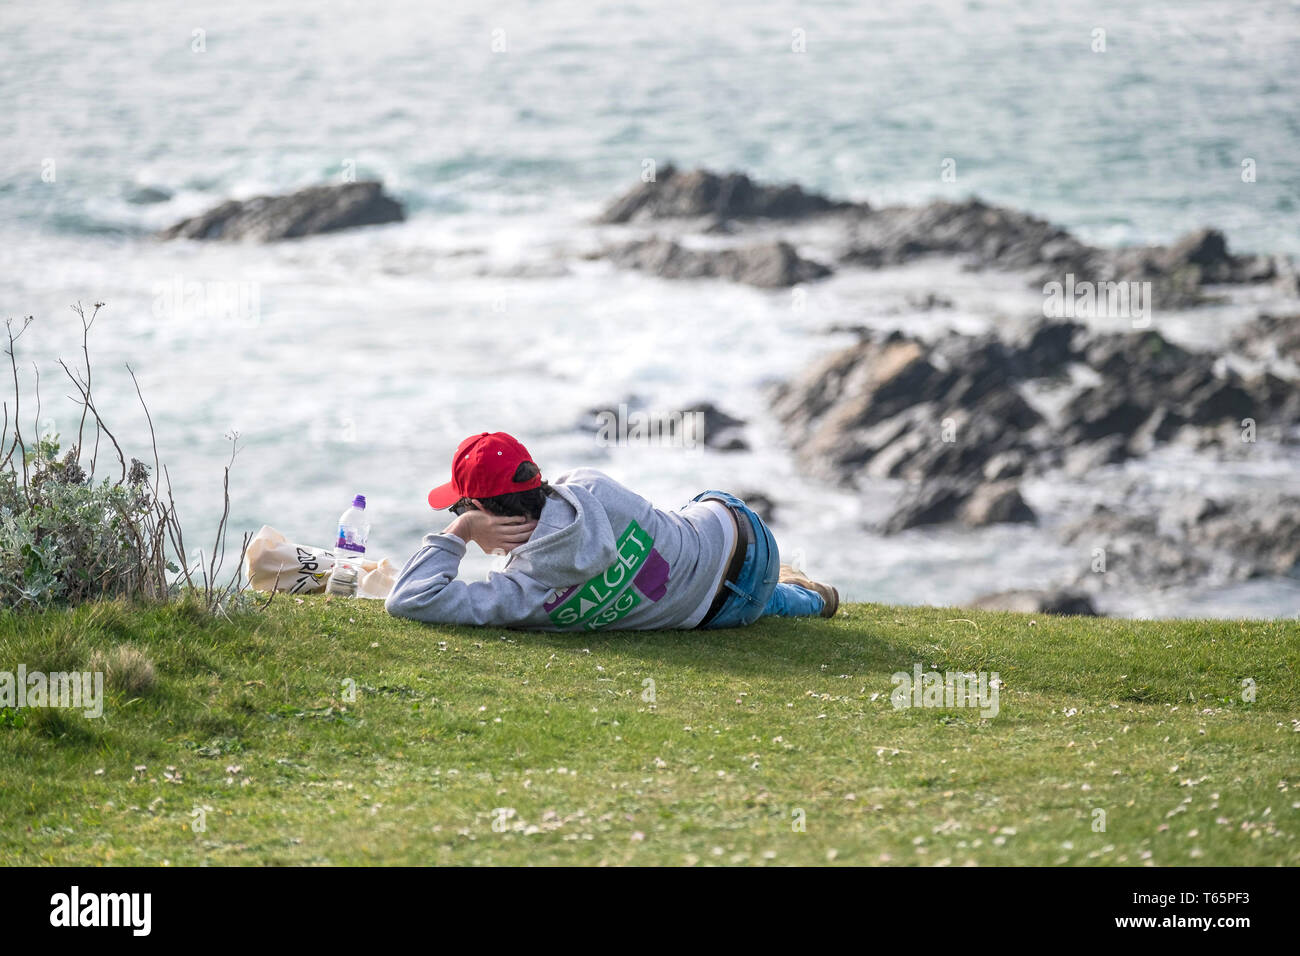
<point x="148" y="509"/>
<point x="88" y="405"/>
<point x="17" y="444"/>
<point x="218" y="555"/>
<point x="153" y="437"/>
<point x="85" y="352"/>
<point x="36" y="421"/>
<point x="175" y="533"/>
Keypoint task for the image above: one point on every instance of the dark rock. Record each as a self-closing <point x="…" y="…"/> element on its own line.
<point x="147" y="195"/>
<point x="306" y="212"/>
<point x="1269" y="337"/>
<point x="762" y="504"/>
<point x="715" y="428"/>
<point x="699" y="192"/>
<point x="928" y="503"/>
<point x="995" y="237"/>
<point x="996" y="503"/>
<point x="1261" y="534"/>
<point x="732" y="443"/>
<point x="1206" y="249"/>
<point x="928" y="302"/>
<point x="1081" y="460"/>
<point x="896" y="407"/>
<point x="721" y="431"/>
<point x="1102" y="411"/>
<point x="892" y="406"/>
<point x="1134" y="550"/>
<point x="1047" y="348"/>
<point x="1194" y="539"/>
<point x="1216" y="400"/>
<point x="769" y="265"/>
<point x="944" y="500"/>
<point x="988" y="235"/>
<point x="1161" y="426"/>
<point x="1058" y="601"/>
<point x="591" y="418"/>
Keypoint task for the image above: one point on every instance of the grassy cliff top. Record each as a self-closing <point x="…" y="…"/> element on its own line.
<point x="771" y="745"/>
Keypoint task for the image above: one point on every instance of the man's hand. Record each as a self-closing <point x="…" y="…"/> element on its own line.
<point x="492" y="533"/>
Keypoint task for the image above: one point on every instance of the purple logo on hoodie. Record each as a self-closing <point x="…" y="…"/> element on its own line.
<point x="652" y="579"/>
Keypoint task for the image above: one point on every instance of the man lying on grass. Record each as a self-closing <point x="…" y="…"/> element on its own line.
<point x="587" y="553"/>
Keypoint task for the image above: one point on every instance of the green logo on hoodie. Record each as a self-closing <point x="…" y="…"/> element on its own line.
<point x="606" y="597"/>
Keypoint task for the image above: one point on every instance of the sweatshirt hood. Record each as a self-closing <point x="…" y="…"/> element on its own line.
<point x="573" y="541"/>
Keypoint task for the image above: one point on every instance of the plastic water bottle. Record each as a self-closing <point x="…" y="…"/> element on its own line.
<point x="350" y="548"/>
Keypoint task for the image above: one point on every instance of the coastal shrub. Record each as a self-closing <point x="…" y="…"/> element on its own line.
<point x="68" y="536"/>
<point x="68" y="539"/>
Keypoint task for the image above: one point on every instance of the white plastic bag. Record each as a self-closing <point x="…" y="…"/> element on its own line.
<point x="274" y="563"/>
<point x="378" y="581"/>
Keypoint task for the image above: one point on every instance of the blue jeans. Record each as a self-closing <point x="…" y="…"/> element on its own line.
<point x="758" y="593"/>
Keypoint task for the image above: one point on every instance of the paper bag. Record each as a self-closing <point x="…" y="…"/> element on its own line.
<point x="274" y="563"/>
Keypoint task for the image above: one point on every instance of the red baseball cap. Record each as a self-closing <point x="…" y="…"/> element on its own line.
<point x="484" y="467"/>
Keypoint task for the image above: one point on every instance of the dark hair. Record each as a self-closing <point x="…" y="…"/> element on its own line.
<point x="526" y="503"/>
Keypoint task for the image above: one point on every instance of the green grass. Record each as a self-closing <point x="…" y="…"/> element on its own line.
<point x="1142" y="720"/>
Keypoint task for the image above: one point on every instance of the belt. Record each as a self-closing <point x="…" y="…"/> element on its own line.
<point x="744" y="537"/>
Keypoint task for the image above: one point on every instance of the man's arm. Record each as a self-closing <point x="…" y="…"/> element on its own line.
<point x="427" y="589"/>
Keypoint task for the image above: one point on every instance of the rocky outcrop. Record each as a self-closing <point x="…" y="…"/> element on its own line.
<point x="898" y="407"/>
<point x="1261" y="533"/>
<point x="984" y="235"/>
<point x="1150" y="388"/>
<point x="995" y="237"/>
<point x="306" y="212"/>
<point x="768" y="265"/>
<point x="1133" y="549"/>
<point x="991" y="235"/>
<point x="760" y="503"/>
<point x="1191" y="539"/>
<point x="699" y="193"/>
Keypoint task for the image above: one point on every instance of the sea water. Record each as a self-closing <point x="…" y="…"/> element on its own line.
<point x="480" y="311"/>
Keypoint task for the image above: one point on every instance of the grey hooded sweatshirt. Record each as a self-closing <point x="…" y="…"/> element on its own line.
<point x="601" y="556"/>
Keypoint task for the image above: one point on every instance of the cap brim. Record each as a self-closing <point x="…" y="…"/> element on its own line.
<point x="444" y="496"/>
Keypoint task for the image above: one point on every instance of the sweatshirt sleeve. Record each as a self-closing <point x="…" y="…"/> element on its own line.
<point x="427" y="590"/>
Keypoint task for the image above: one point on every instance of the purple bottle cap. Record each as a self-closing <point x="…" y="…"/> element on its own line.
<point x="359" y="502"/>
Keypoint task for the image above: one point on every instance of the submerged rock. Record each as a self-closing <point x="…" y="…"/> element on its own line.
<point x="768" y="265"/>
<point x="146" y="195"/>
<point x="634" y="420"/>
<point x="306" y="212"/>
<point x="722" y="431"/>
